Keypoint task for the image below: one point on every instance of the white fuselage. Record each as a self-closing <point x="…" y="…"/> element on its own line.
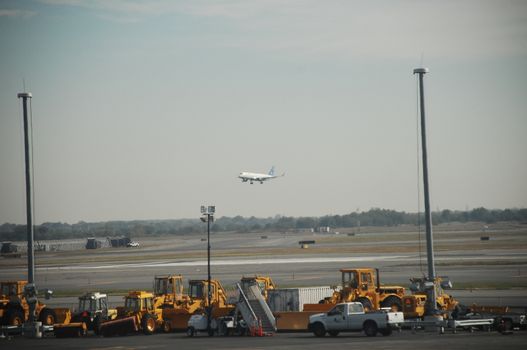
<point x="246" y="176"/>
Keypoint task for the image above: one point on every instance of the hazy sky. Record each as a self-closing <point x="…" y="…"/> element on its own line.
<point x="148" y="109"/>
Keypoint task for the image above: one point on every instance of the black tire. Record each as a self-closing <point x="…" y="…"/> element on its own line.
<point x="148" y="324"/>
<point x="370" y="328"/>
<point x="47" y="317"/>
<point x="393" y="302"/>
<point x="14" y="317"/>
<point x="386" y="332"/>
<point x="191" y="331"/>
<point x="96" y="325"/>
<point x="167" y="328"/>
<point x="506" y="325"/>
<point x="319" y="330"/>
<point x="333" y="333"/>
<point x="366" y="303"/>
<point x="223" y="330"/>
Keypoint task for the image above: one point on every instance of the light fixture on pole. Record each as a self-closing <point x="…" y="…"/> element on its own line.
<point x="207" y="213"/>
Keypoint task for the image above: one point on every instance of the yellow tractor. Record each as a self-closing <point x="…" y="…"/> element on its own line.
<point x="168" y="291"/>
<point x="196" y="301"/>
<point x="414" y="306"/>
<point x="265" y="283"/>
<point x="14" y="307"/>
<point x="362" y="285"/>
<point x="138" y="314"/>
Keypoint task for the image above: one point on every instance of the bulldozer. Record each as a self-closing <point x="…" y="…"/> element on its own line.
<point x="14" y="307"/>
<point x="138" y="314"/>
<point x="177" y="316"/>
<point x="415" y="305"/>
<point x="362" y="285"/>
<point x="265" y="283"/>
<point x="93" y="310"/>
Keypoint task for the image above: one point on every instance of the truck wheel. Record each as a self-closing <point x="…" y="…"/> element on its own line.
<point x="319" y="330"/>
<point x="223" y="329"/>
<point x="385" y="332"/>
<point x="393" y="303"/>
<point x="15" y="318"/>
<point x="47" y="317"/>
<point x="166" y="327"/>
<point x="366" y="303"/>
<point x="370" y="328"/>
<point x="191" y="331"/>
<point x="96" y="325"/>
<point x="149" y="324"/>
<point x="333" y="333"/>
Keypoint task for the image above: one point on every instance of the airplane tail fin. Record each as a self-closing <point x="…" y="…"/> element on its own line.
<point x="271" y="172"/>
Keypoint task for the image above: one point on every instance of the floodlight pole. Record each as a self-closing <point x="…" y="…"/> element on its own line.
<point x="431" y="295"/>
<point x="208" y="215"/>
<point x="29" y="214"/>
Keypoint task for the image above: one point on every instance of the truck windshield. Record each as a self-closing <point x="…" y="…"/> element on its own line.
<point x="354" y="308"/>
<point x="337" y="310"/>
<point x="349" y="279"/>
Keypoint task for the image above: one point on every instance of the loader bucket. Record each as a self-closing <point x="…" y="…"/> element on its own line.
<point x="121" y="326"/>
<point x="176" y="318"/>
<point x="318" y="307"/>
<point x="293" y="320"/>
<point x="72" y="330"/>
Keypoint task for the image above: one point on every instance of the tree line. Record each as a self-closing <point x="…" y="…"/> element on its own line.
<point x="136" y="228"/>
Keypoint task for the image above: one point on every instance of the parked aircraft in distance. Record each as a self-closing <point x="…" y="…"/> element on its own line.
<point x="251" y="177"/>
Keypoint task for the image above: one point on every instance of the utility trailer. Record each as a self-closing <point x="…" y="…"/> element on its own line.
<point x="505" y="318"/>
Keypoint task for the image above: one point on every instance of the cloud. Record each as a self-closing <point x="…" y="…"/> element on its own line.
<point x="16" y="13"/>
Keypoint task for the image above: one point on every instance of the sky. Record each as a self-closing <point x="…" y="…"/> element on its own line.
<point x="150" y="109"/>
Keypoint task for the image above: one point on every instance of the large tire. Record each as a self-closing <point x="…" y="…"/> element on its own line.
<point x="148" y="324"/>
<point x="393" y="302"/>
<point x="14" y="317"/>
<point x="96" y="324"/>
<point x="47" y="317"/>
<point x="319" y="330"/>
<point x="167" y="328"/>
<point x="370" y="328"/>
<point x="366" y="303"/>
<point x="191" y="331"/>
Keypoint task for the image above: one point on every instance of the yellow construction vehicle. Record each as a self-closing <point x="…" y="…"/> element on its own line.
<point x="265" y="283"/>
<point x="362" y="285"/>
<point x="414" y="306"/>
<point x="14" y="307"/>
<point x="168" y="291"/>
<point x="176" y="318"/>
<point x="137" y="314"/>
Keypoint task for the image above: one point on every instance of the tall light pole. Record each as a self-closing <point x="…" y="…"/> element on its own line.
<point x="207" y="213"/>
<point x="30" y="288"/>
<point x="431" y="295"/>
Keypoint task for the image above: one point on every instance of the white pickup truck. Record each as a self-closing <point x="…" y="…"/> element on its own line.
<point x="350" y="317"/>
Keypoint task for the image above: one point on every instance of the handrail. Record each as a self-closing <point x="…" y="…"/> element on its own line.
<point x="246" y="302"/>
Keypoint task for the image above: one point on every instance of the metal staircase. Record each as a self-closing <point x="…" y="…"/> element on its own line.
<point x="255" y="310"/>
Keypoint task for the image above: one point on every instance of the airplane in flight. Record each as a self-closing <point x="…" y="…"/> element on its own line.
<point x="251" y="177"/>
